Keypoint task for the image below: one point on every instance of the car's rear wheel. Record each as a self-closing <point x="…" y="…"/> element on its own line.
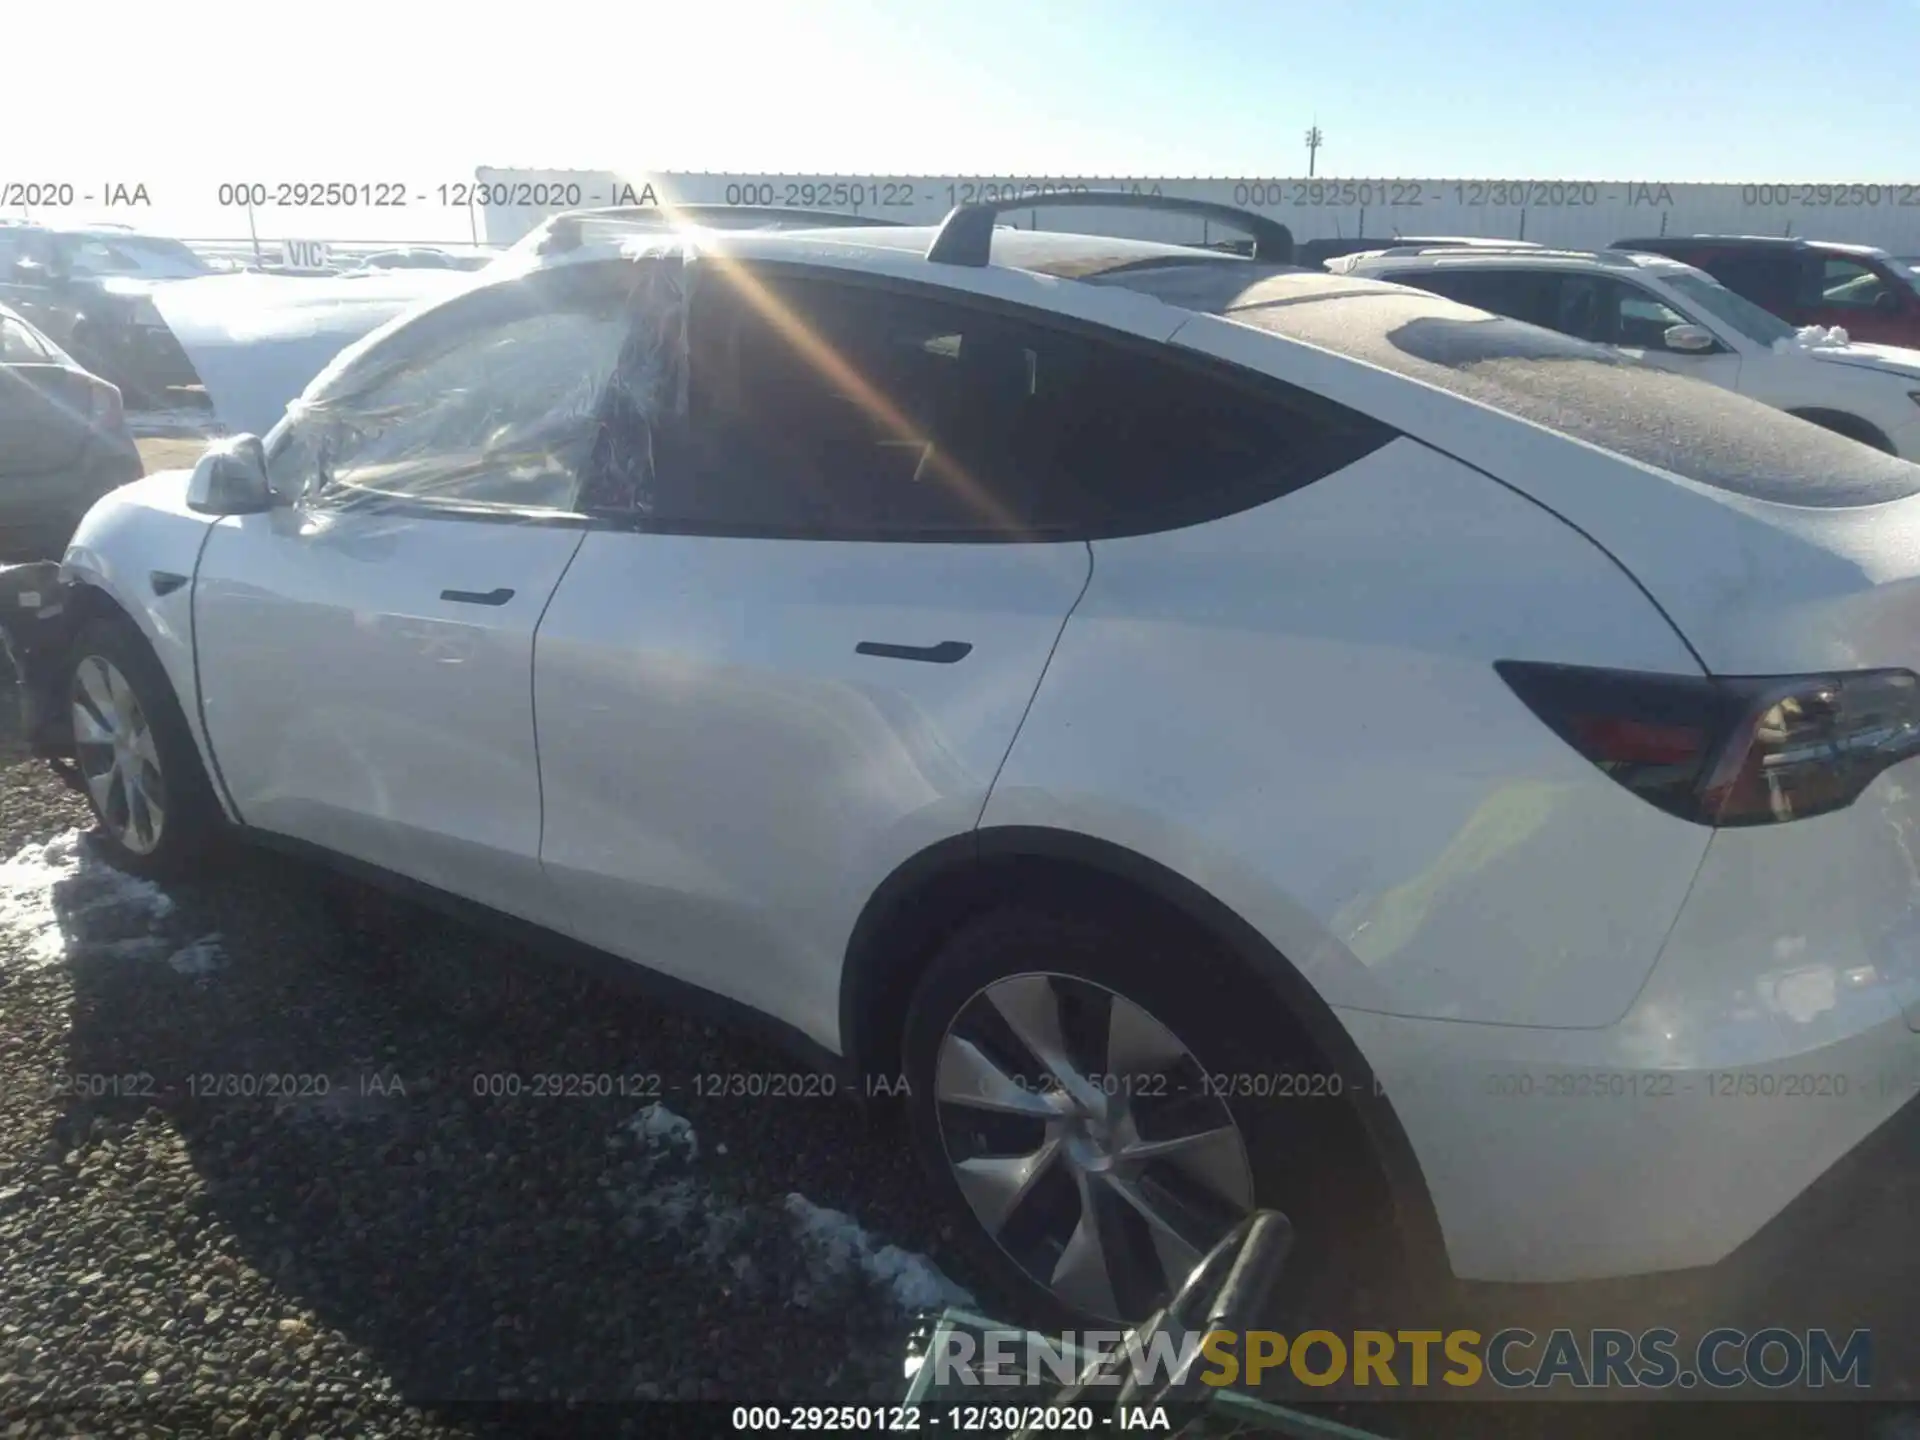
<point x="1100" y="1101"/>
<point x="137" y="762"/>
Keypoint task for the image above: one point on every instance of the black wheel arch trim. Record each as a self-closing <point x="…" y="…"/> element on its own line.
<point x="964" y="865"/>
<point x="1845" y="422"/>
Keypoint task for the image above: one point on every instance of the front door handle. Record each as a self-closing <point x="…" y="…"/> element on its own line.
<point x="945" y="653"/>
<point x="478" y="597"/>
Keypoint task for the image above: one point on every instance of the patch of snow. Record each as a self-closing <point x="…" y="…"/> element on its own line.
<point x="1811" y="337"/>
<point x="46" y="890"/>
<point x="662" y="1132"/>
<point x="827" y="1256"/>
<point x="836" y="1244"/>
<point x="62" y="902"/>
<point x="27" y="883"/>
<point x="198" y="958"/>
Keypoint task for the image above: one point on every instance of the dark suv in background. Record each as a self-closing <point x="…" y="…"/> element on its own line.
<point x="91" y="291"/>
<point x="1867" y="292"/>
<point x="63" y="443"/>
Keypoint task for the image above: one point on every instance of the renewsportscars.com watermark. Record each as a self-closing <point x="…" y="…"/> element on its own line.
<point x="1774" y="1358"/>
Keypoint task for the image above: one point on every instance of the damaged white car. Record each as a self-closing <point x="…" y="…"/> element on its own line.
<point x="1210" y="735"/>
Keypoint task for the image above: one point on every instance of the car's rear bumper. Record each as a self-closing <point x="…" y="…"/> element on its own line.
<point x="150" y="355"/>
<point x="1553" y="1156"/>
<point x="1776" y="1033"/>
<point x="38" y="514"/>
<point x="35" y="626"/>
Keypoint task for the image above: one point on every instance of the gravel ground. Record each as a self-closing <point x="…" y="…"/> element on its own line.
<point x="170" y="452"/>
<point x="373" y="1238"/>
<point x="257" y="1177"/>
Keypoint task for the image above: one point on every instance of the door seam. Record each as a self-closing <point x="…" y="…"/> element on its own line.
<point x="533" y="705"/>
<point x="199" y="690"/>
<point x="987" y="798"/>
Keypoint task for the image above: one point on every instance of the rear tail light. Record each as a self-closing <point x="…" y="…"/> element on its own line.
<point x="107" y="412"/>
<point x="1730" y="751"/>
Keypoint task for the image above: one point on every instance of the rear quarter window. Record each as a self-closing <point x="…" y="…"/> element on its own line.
<point x="1685" y="426"/>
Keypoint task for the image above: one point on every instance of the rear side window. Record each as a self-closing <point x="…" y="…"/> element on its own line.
<point x="1529" y="295"/>
<point x="1771" y="281"/>
<point x="828" y="410"/>
<point x="1851" y="285"/>
<point x="1597" y="308"/>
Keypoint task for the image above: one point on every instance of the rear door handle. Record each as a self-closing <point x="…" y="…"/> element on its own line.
<point x="478" y="597"/>
<point x="945" y="653"/>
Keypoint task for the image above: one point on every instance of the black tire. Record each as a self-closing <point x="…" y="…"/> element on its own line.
<point x="1305" y="1154"/>
<point x="192" y="821"/>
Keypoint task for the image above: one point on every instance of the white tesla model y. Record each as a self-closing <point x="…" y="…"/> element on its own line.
<point x="1226" y="734"/>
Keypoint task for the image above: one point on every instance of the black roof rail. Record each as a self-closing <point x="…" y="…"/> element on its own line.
<point x="966" y="235"/>
<point x="566" y="226"/>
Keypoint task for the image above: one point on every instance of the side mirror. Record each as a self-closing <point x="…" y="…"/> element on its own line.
<point x="231" y="478"/>
<point x="1689" y="339"/>
<point x="1887" y="303"/>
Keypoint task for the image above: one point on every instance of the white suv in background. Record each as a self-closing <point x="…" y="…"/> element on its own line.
<point x="1670" y="315"/>
<point x="1226" y="734"/>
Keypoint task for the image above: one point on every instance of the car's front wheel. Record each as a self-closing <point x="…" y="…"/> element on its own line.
<point x="1104" y="1100"/>
<point x="136" y="760"/>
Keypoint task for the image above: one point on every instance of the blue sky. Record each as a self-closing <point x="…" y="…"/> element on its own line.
<point x="256" y="90"/>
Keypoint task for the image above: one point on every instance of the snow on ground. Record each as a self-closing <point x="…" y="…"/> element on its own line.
<point x="61" y="901"/>
<point x="200" y="957"/>
<point x="836" y="1244"/>
<point x="824" y="1256"/>
<point x="58" y="897"/>
<point x="660" y="1131"/>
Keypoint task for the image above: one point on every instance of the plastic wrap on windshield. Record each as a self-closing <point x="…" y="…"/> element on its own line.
<point x="645" y="403"/>
<point x="555" y="400"/>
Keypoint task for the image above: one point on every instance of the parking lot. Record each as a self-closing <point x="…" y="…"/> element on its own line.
<point x="387" y="1226"/>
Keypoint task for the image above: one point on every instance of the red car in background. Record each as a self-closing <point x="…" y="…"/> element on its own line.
<point x="1867" y="292"/>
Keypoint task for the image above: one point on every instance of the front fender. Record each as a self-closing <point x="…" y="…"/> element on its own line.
<point x="135" y="554"/>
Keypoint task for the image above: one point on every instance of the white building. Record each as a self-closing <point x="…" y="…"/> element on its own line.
<point x="1581" y="213"/>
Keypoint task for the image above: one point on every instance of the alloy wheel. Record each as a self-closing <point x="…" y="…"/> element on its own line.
<point x="118" y="759"/>
<point x="1086" y="1139"/>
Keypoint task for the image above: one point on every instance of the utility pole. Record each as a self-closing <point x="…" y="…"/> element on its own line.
<point x="1314" y="142"/>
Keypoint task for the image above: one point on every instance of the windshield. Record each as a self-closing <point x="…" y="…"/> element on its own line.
<point x="1760" y="326"/>
<point x="140" y="255"/>
<point x="1907" y="267"/>
<point x="166" y="258"/>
